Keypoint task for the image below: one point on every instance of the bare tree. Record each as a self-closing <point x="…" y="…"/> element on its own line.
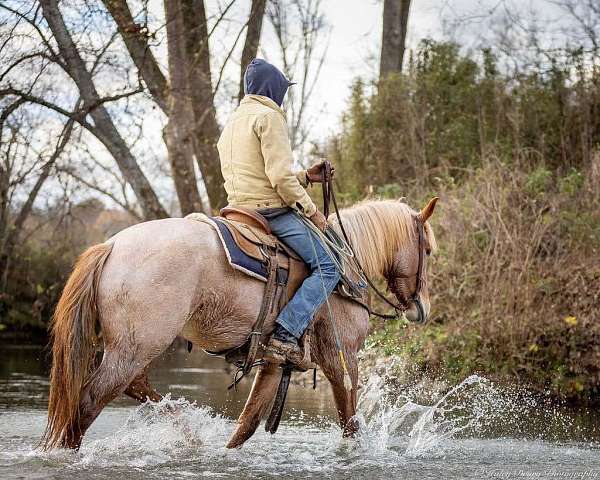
<point x="180" y="129"/>
<point x="393" y="38"/>
<point x="257" y="13"/>
<point x="104" y="127"/>
<point x="299" y="26"/>
<point x="206" y="128"/>
<point x="135" y="36"/>
<point x="586" y="16"/>
<point x="86" y="51"/>
<point x="15" y="174"/>
<point x="74" y="50"/>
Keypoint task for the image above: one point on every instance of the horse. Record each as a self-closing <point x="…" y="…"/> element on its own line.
<point x="160" y="279"/>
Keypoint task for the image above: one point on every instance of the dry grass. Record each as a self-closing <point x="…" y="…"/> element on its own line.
<point x="516" y="282"/>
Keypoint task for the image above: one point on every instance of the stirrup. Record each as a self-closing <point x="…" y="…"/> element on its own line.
<point x="277" y="353"/>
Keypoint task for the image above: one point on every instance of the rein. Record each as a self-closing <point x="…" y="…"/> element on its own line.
<point x="328" y="197"/>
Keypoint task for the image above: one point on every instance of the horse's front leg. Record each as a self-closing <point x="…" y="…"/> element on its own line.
<point x="345" y="400"/>
<point x="263" y="391"/>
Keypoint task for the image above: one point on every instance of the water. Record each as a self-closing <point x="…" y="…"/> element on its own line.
<point x="476" y="430"/>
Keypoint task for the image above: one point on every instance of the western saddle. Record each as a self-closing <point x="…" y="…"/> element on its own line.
<point x="252" y="234"/>
<point x="246" y="216"/>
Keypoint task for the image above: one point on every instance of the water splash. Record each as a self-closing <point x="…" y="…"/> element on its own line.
<point x="402" y="427"/>
<point x="395" y="424"/>
<point x="394" y="417"/>
<point x="157" y="433"/>
<point x="395" y="421"/>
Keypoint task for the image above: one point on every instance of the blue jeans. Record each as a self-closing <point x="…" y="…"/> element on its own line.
<point x="298" y="312"/>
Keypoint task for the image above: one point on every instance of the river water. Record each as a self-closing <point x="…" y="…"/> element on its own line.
<point x="476" y="430"/>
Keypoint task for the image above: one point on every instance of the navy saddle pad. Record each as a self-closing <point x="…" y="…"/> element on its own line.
<point x="239" y="258"/>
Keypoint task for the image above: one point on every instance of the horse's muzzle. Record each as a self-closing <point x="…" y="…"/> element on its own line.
<point x="417" y="312"/>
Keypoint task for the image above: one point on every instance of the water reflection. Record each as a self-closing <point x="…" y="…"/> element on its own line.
<point x="196" y="376"/>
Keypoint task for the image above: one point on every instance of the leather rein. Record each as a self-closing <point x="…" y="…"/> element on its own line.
<point x="328" y="197"/>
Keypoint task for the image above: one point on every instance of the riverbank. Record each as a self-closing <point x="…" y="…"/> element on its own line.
<point x="515" y="285"/>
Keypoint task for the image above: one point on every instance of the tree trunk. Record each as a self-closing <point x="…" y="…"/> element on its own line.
<point x="137" y="45"/>
<point x="10" y="236"/>
<point x="104" y="129"/>
<point x="393" y="39"/>
<point x="206" y="129"/>
<point x="178" y="134"/>
<point x="6" y="167"/>
<point x="257" y="12"/>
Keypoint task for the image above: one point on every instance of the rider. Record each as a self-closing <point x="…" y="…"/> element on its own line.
<point x="256" y="161"/>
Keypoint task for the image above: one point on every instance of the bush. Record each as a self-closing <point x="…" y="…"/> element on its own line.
<point x="516" y="164"/>
<point x="514" y="287"/>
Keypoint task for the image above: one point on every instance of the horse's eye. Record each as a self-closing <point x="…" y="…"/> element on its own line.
<point x="428" y="251"/>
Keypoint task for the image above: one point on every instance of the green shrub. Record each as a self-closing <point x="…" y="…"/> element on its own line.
<point x="571" y="183"/>
<point x="538" y="181"/>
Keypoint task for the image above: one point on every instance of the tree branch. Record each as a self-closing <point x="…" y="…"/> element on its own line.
<point x="254" y="23"/>
<point x="136" y="41"/>
<point x="107" y="133"/>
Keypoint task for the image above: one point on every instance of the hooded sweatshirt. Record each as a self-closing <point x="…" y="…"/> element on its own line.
<point x="262" y="78"/>
<point x="254" y="147"/>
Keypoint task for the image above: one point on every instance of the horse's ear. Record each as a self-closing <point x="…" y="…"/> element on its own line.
<point x="428" y="210"/>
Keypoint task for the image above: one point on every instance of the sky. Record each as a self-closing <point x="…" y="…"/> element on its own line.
<point x="353" y="51"/>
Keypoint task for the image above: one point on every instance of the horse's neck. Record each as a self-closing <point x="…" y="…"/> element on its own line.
<point x="379" y="260"/>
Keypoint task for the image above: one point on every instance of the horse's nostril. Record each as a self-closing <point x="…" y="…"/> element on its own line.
<point x="412" y="314"/>
<point x="417" y="312"/>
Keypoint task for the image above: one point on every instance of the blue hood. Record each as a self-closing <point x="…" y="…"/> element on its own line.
<point x="262" y="78"/>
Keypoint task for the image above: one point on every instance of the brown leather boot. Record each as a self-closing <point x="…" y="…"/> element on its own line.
<point x="281" y="351"/>
<point x="284" y="348"/>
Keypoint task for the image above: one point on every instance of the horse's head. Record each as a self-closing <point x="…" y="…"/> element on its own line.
<point x="407" y="277"/>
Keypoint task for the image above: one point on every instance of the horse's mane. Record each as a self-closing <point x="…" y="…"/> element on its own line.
<point x="377" y="229"/>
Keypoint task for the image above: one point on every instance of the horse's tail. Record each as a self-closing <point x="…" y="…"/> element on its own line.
<point x="73" y="344"/>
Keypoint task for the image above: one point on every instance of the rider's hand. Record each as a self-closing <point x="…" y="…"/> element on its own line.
<point x="319" y="220"/>
<point x="314" y="173"/>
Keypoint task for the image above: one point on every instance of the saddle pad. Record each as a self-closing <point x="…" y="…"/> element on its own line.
<point x="236" y="257"/>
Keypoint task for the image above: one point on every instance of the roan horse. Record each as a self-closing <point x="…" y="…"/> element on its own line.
<point x="156" y="280"/>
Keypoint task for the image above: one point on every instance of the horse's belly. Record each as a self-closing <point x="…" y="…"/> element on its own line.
<point x="225" y="316"/>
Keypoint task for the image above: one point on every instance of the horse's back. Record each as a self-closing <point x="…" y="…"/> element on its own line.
<point x="166" y="230"/>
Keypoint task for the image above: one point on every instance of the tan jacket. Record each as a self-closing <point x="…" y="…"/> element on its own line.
<point x="256" y="159"/>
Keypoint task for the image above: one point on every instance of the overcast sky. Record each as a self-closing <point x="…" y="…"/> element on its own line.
<point x="355" y="40"/>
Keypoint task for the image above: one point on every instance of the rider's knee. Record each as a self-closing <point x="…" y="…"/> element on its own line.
<point x="330" y="270"/>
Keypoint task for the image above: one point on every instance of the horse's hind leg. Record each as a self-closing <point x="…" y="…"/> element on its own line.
<point x="141" y="390"/>
<point x="111" y="379"/>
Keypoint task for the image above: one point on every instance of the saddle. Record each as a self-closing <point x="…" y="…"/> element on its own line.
<point x="251" y="233"/>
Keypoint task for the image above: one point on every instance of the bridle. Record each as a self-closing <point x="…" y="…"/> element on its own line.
<point x="416" y="296"/>
<point x="401" y="306"/>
